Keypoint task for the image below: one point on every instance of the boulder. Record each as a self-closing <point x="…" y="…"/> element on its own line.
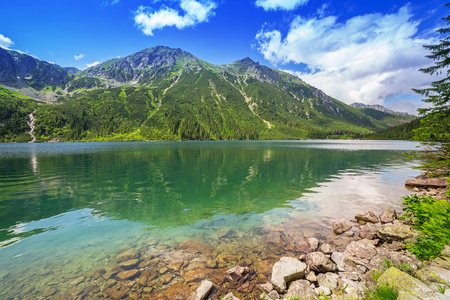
<point x="300" y="289"/>
<point x="368" y="216"/>
<point x="129" y="264"/>
<point x="327" y="249"/>
<point x="441" y="262"/>
<point x="285" y="270"/>
<point x="395" y="232"/>
<point x="203" y="290"/>
<point x="319" y="262"/>
<point x="409" y="287"/>
<point x="361" y="252"/>
<point x="341" y="226"/>
<point x="433" y="274"/>
<point x="230" y="296"/>
<point x="313" y="244"/>
<point x="388" y="215"/>
<point x="368" y="231"/>
<point x="329" y="280"/>
<point x="424" y="182"/>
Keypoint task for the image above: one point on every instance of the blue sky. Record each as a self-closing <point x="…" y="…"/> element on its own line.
<point x="355" y="51"/>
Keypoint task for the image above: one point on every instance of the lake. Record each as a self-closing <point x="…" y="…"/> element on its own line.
<point x="71" y="212"/>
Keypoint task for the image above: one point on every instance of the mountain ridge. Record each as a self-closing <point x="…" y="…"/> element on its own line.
<point x="161" y="93"/>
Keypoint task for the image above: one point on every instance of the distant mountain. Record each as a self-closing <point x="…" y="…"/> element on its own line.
<point x="71" y="70"/>
<point x="379" y="108"/>
<point x="162" y="93"/>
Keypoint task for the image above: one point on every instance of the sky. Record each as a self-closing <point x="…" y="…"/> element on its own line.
<point x="355" y="51"/>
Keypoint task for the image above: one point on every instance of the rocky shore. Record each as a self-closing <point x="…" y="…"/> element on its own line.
<point x="284" y="262"/>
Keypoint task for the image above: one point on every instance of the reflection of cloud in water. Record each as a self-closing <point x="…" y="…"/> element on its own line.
<point x="349" y="193"/>
<point x="34" y="163"/>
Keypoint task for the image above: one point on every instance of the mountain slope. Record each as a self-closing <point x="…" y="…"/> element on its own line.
<point x="168" y="94"/>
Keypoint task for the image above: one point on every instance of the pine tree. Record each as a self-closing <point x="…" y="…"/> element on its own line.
<point x="435" y="126"/>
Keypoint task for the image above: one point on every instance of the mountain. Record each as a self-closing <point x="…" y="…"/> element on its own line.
<point x="379" y="108"/>
<point x="162" y="93"/>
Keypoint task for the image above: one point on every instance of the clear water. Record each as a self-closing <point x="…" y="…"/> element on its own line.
<point x="68" y="207"/>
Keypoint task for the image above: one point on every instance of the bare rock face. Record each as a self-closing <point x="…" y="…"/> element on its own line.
<point x="286" y="270"/>
<point x="388" y="215"/>
<point x="318" y="261"/>
<point x="395" y="232"/>
<point x="341" y="226"/>
<point x="300" y="289"/>
<point x="368" y="231"/>
<point x="361" y="252"/>
<point x="367" y="216"/>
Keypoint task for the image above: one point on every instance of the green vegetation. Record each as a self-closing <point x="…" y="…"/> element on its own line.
<point x="382" y="292"/>
<point x="14" y="110"/>
<point x="432" y="218"/>
<point x="400" y="132"/>
<point x="435" y="126"/>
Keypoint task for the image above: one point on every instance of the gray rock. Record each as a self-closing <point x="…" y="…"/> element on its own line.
<point x="409" y="287"/>
<point x="327" y="249"/>
<point x="329" y="280"/>
<point x="367" y="216"/>
<point x="433" y="274"/>
<point x="361" y="252"/>
<point x="395" y="232"/>
<point x="230" y="296"/>
<point x="311" y="276"/>
<point x="319" y="262"/>
<point x="300" y="289"/>
<point x="285" y="270"/>
<point x="274" y="295"/>
<point x="343" y="263"/>
<point x="368" y="231"/>
<point x="203" y="290"/>
<point x="266" y="287"/>
<point x="341" y="226"/>
<point x="388" y="215"/>
<point x="322" y="291"/>
<point x="313" y="244"/>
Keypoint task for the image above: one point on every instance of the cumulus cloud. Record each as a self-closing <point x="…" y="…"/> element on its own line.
<point x="5" y="42"/>
<point x="93" y="64"/>
<point x="365" y="59"/>
<point x="78" y="57"/>
<point x="192" y="12"/>
<point x="280" y="4"/>
<point x="409" y="106"/>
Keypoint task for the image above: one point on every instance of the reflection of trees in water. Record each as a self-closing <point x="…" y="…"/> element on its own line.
<point x="170" y="186"/>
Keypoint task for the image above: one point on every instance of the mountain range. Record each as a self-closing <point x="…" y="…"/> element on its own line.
<point x="162" y="93"/>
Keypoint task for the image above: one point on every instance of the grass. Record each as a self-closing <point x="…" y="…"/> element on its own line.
<point x="382" y="292"/>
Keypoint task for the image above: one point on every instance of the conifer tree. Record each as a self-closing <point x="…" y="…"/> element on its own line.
<point x="435" y="126"/>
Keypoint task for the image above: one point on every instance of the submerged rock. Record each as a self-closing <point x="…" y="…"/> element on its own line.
<point x="286" y="270"/>
<point x="127" y="275"/>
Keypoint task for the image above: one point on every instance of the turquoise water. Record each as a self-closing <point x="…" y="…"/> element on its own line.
<point x="68" y="207"/>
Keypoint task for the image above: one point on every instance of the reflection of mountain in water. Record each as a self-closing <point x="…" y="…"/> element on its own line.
<point x="169" y="184"/>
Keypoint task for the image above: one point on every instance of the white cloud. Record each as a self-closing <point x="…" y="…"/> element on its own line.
<point x="78" y="57"/>
<point x="280" y="4"/>
<point x="5" y="42"/>
<point x="408" y="106"/>
<point x="194" y="12"/>
<point x="365" y="59"/>
<point x="93" y="64"/>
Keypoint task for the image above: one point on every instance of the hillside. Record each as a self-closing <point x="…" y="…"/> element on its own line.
<point x="168" y="94"/>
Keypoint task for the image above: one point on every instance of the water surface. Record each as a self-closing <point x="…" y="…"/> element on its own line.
<point x="68" y="207"/>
